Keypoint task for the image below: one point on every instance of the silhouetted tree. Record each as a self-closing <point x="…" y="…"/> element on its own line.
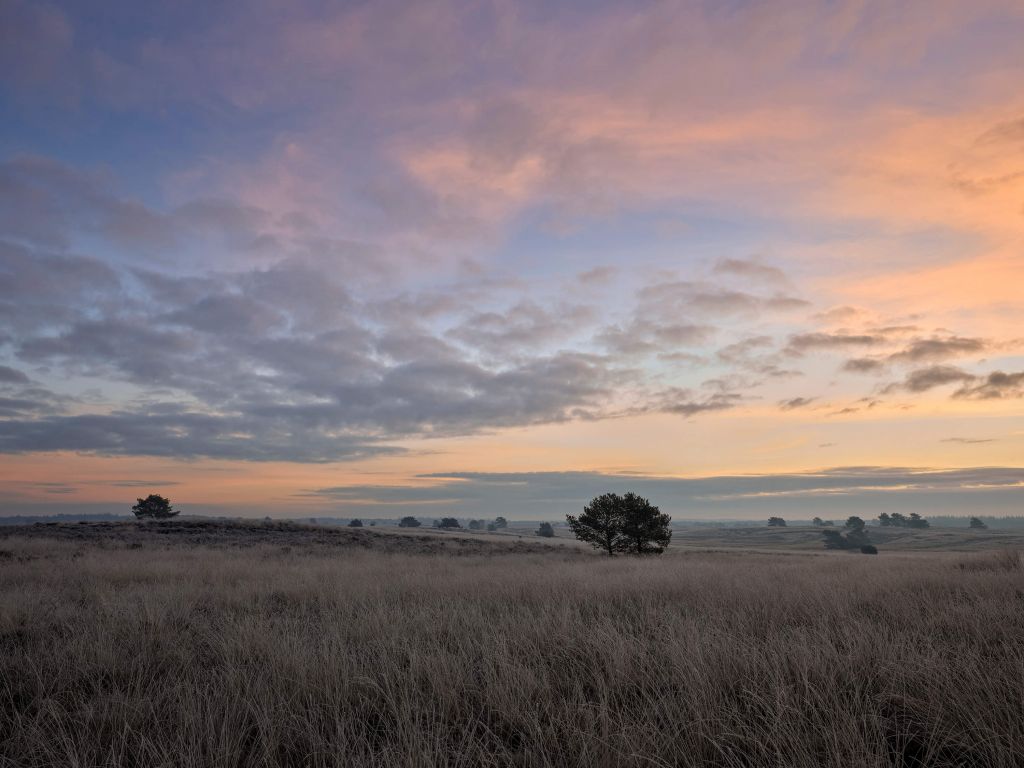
<point x="448" y="522"/>
<point x="854" y="523"/>
<point x="853" y="539"/>
<point x="357" y="523"/>
<point x="834" y="540"/>
<point x="500" y="522"/>
<point x="884" y="520"/>
<point x="154" y="506"/>
<point x="916" y="521"/>
<point x="492" y="527"/>
<point x="896" y="520"/>
<point x="977" y="522"/>
<point x="776" y="522"/>
<point x="408" y="522"/>
<point x="546" y="530"/>
<point x="648" y="530"/>
<point x="868" y="549"/>
<point x="817" y="522"/>
<point x="601" y="524"/>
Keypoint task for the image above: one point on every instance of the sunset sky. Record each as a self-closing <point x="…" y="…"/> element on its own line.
<point x="388" y="258"/>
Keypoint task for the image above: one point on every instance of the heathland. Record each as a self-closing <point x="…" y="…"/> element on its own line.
<point x="188" y="643"/>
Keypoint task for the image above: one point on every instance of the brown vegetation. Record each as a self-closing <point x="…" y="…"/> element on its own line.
<point x="152" y="655"/>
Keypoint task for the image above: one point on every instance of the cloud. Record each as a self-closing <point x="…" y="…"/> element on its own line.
<point x="918" y="351"/>
<point x="864" y="365"/>
<point x="968" y="440"/>
<point x="1010" y="131"/>
<point x="524" y="326"/>
<point x="683" y="402"/>
<point x="550" y="495"/>
<point x="924" y="379"/>
<point x="754" y="270"/>
<point x="995" y="386"/>
<point x="927" y="350"/>
<point x="183" y="434"/>
<point x="809" y="342"/>
<point x="10" y="375"/>
<point x="796" y="402"/>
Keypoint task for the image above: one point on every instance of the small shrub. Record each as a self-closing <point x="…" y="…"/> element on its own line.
<point x="868" y="549"/>
<point x="546" y="530"/>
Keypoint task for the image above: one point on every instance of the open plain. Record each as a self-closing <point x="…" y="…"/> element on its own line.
<point x="193" y="644"/>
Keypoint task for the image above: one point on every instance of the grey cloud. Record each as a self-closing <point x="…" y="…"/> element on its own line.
<point x="796" y="402"/>
<point x="840" y="491"/>
<point x="524" y="326"/>
<point x="597" y="275"/>
<point x="928" y="378"/>
<point x="992" y="387"/>
<point x="755" y="270"/>
<point x="968" y="440"/>
<point x="807" y="342"/>
<point x="683" y="402"/>
<point x="10" y="375"/>
<point x="674" y="297"/>
<point x="841" y="314"/>
<point x="641" y="336"/>
<point x="926" y="350"/>
<point x="864" y="365"/>
<point x="918" y="351"/>
<point x="182" y="435"/>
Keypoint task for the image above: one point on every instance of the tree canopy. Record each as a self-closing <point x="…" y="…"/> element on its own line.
<point x="154" y="506"/>
<point x="628" y="523"/>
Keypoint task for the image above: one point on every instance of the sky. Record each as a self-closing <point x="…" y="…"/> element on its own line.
<point x="384" y="258"/>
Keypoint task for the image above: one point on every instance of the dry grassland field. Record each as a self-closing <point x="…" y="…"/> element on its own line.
<point x="217" y="644"/>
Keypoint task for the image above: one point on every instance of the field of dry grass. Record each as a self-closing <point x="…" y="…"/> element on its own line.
<point x="139" y="652"/>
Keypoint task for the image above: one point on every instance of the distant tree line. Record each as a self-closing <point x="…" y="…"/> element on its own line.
<point x="896" y="520"/>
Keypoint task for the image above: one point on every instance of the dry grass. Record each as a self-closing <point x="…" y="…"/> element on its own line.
<point x="345" y="657"/>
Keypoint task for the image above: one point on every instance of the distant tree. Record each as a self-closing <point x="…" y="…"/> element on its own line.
<point x="492" y="527"/>
<point x="155" y="507"/>
<point x="646" y="527"/>
<point x="884" y="520"/>
<point x="373" y="523"/>
<point x="897" y="520"/>
<point x="546" y="530"/>
<point x="978" y="523"/>
<point x="601" y="524"/>
<point x="834" y="540"/>
<point x="500" y="522"/>
<point x="437" y="523"/>
<point x="854" y="523"/>
<point x="408" y="522"/>
<point x="817" y="522"/>
<point x="776" y="522"/>
<point x="476" y="525"/>
<point x="916" y="521"/>
<point x="827" y="523"/>
<point x="449" y="522"/>
<point x="868" y="549"/>
<point x="854" y="538"/>
<point x="357" y="523"/>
